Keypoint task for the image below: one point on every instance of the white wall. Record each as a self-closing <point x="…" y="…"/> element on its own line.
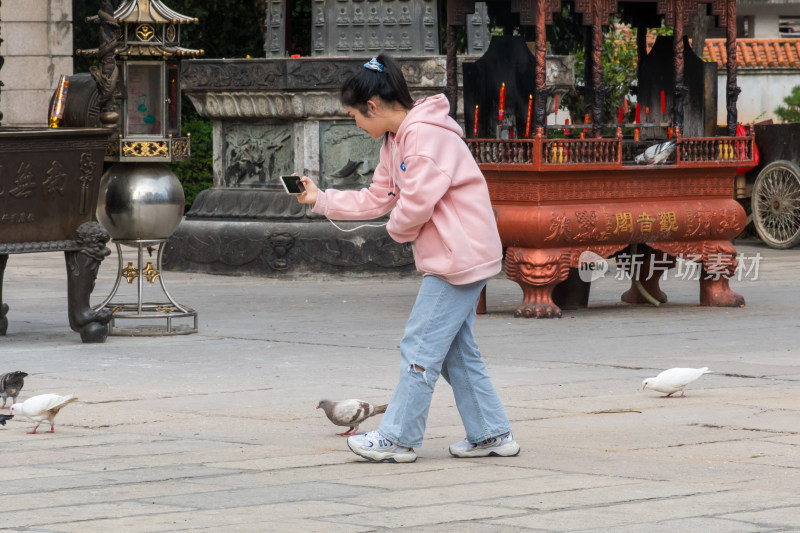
<point x="37" y="48"/>
<point x="766" y="13"/>
<point x="762" y="91"/>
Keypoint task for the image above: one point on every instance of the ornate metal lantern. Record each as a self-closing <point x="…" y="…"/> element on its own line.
<point x="141" y="201"/>
<point x="146" y="48"/>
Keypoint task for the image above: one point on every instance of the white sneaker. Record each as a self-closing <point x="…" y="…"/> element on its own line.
<point x="374" y="447"/>
<point x="502" y="446"/>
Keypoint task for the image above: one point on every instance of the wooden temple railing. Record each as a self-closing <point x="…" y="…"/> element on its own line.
<point x="702" y="151"/>
<point x="569" y="154"/>
<point x="582" y="152"/>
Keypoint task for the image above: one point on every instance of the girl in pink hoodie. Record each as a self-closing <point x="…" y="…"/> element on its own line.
<point x="439" y="202"/>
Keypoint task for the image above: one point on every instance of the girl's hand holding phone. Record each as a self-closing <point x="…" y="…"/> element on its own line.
<point x="309" y="196"/>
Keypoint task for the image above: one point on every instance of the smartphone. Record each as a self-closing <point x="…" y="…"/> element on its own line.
<point x="292" y="184"/>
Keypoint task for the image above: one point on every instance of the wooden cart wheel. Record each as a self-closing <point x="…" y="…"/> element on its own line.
<point x="776" y="204"/>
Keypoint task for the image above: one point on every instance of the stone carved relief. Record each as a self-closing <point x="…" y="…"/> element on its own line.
<point x="280" y="243"/>
<point x="430" y="42"/>
<point x="373" y="20"/>
<point x="231" y="75"/>
<point x="388" y="42"/>
<point x="327" y="74"/>
<point x="276" y="247"/>
<point x="256" y="154"/>
<point x="405" y="41"/>
<point x="374" y="42"/>
<point x="342" y="46"/>
<point x="416" y="17"/>
<point x="380" y="251"/>
<point x="348" y="156"/>
<point x="276" y="16"/>
<point x="236" y="249"/>
<point x="342" y="19"/>
<point x="358" y="17"/>
<point x="358" y="42"/>
<point x="428" y="19"/>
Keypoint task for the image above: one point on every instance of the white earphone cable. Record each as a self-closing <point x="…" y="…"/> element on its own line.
<point x="357" y="227"/>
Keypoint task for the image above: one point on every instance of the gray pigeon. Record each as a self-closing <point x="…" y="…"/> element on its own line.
<point x="656" y="154"/>
<point x="10" y="385"/>
<point x="3" y="419"/>
<point x="350" y="413"/>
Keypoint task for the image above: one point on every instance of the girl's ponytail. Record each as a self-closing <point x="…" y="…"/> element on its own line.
<point x="381" y="76"/>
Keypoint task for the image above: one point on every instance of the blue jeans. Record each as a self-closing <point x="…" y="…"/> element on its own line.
<point x="438" y="339"/>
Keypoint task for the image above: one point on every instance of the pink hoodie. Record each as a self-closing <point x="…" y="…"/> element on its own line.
<point x="436" y="192"/>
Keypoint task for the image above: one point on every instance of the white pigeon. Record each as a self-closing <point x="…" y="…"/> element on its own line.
<point x="656" y="154"/>
<point x="349" y="413"/>
<point x="42" y="407"/>
<point x="674" y="380"/>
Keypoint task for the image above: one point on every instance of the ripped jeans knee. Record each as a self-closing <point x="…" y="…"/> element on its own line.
<point x="413" y="367"/>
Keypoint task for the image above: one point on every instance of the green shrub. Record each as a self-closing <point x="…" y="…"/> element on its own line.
<point x="196" y="174"/>
<point x="791" y="111"/>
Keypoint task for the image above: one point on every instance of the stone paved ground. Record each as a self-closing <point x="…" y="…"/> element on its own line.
<point x="218" y="431"/>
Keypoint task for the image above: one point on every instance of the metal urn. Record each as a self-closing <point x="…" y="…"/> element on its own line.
<point x="142" y="201"/>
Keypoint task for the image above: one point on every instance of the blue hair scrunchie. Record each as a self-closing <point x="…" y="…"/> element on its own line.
<point x="373" y="64"/>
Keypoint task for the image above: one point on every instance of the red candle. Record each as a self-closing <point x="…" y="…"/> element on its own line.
<point x="566" y="130"/>
<point x="528" y="121"/>
<point x="475" y="126"/>
<point x="663" y="104"/>
<point x="625" y="103"/>
<point x="638" y="113"/>
<point x="621" y="116"/>
<point x="502" y="113"/>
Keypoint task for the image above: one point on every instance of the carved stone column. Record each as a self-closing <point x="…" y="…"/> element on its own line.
<point x="478" y="30"/>
<point x="275" y="28"/>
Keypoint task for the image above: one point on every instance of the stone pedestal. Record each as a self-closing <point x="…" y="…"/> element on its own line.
<point x="267" y="233"/>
